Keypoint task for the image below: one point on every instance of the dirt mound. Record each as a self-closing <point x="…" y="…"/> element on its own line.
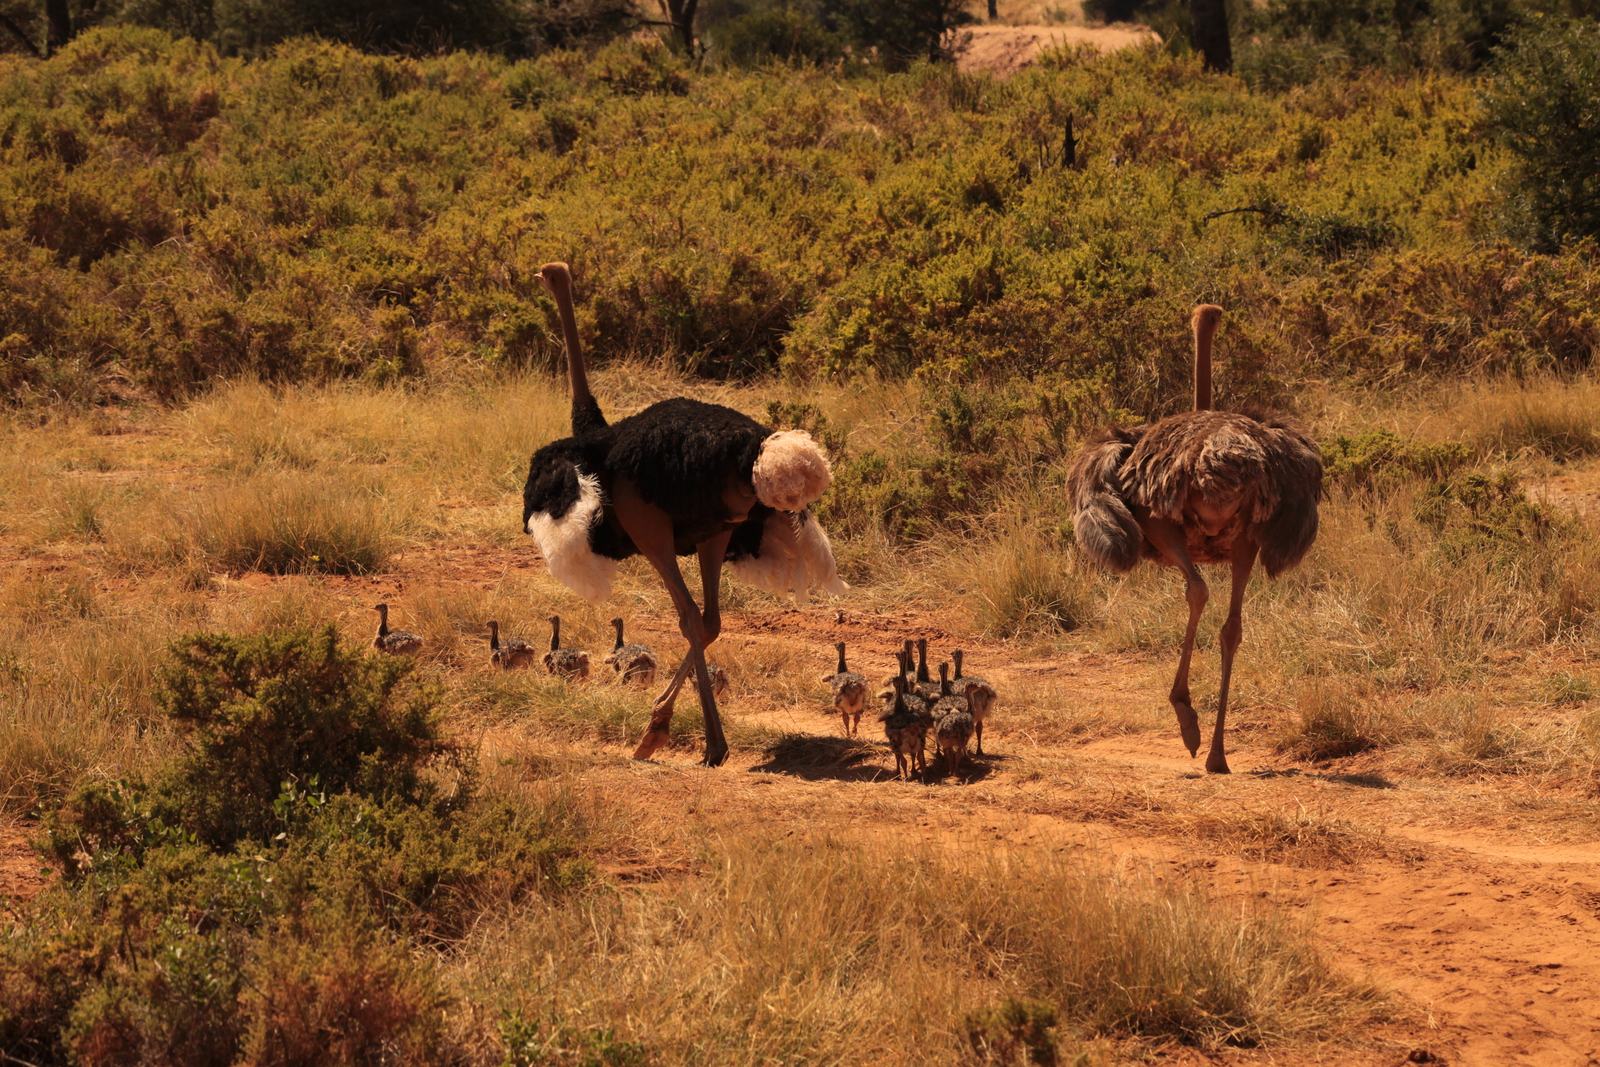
<point x="1004" y="50"/>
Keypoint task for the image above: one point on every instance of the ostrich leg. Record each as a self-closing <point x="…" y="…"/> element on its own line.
<point x="712" y="553"/>
<point x="651" y="531"/>
<point x="1168" y="536"/>
<point x="1244" y="558"/>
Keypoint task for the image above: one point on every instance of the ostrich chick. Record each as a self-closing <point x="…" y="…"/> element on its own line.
<point x="953" y="723"/>
<point x="925" y="683"/>
<point x="980" y="693"/>
<point x="849" y="693"/>
<point x="569" y="663"/>
<point x="906" y="734"/>
<point x="510" y="653"/>
<point x="633" y="662"/>
<point x="394" y="642"/>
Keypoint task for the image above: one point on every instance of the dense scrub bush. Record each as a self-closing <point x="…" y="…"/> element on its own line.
<point x="510" y="27"/>
<point x="260" y="900"/>
<point x="1541" y="100"/>
<point x="892" y="33"/>
<point x="169" y="216"/>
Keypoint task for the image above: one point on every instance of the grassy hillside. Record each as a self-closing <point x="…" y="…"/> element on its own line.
<point x="168" y="216"/>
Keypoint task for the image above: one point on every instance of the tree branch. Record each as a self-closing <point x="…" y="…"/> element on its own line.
<point x="1237" y="210"/>
<point x="5" y="20"/>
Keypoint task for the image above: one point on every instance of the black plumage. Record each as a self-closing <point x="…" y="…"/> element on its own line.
<point x="680" y="477"/>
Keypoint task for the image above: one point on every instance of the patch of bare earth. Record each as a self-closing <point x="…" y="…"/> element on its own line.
<point x="1485" y="921"/>
<point x="1004" y="50"/>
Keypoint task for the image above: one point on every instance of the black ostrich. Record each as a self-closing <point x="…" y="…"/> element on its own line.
<point x="679" y="477"/>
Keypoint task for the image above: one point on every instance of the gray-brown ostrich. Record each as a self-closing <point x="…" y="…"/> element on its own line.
<point x="510" y="653"/>
<point x="394" y="642"/>
<point x="680" y="477"/>
<point x="632" y="661"/>
<point x="1201" y="487"/>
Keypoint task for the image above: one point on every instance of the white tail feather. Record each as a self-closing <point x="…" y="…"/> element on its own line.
<point x="564" y="543"/>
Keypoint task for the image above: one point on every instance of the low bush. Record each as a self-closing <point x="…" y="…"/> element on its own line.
<point x="261" y="898"/>
<point x="182" y="216"/>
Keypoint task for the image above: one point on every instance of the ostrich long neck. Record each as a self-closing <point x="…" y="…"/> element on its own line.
<point x="1205" y="328"/>
<point x="618" y="645"/>
<point x="842" y="667"/>
<point x="555" y="635"/>
<point x="494" y="637"/>
<point x="586" y="414"/>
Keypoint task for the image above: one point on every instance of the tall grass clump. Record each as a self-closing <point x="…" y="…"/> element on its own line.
<point x="281" y="523"/>
<point x="838" y="953"/>
<point x="76" y="674"/>
<point x="1023" y="582"/>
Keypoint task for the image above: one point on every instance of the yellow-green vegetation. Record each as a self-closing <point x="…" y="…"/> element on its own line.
<point x="171" y="216"/>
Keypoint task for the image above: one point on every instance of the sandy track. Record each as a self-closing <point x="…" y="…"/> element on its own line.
<point x="1490" y="936"/>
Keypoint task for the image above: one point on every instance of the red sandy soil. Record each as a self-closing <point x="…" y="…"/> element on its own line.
<point x="1484" y="921"/>
<point x="1004" y="50"/>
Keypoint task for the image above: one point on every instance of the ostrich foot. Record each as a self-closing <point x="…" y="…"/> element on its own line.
<point x="654" y="738"/>
<point x="1216" y="762"/>
<point x="1189" y="726"/>
<point x="716" y="755"/>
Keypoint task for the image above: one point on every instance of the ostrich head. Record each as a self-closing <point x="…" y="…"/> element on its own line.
<point x="556" y="278"/>
<point x="791" y="471"/>
<point x="1206" y="317"/>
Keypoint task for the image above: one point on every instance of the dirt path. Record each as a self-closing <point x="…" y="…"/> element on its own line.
<point x="1492" y="940"/>
<point x="1004" y="50"/>
<point x="1490" y="936"/>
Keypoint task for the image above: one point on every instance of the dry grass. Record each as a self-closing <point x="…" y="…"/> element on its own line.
<point x="824" y="951"/>
<point x="1299" y="839"/>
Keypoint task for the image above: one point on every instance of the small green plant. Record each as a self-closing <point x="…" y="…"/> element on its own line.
<point x="532" y="1043"/>
<point x="1014" y="1033"/>
<point x="1562" y="689"/>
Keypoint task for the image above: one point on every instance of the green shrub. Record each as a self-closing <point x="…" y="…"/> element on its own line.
<point x="1540" y="99"/>
<point x="262" y="899"/>
<point x="265" y="713"/>
<point x="786" y="32"/>
<point x="1382" y="459"/>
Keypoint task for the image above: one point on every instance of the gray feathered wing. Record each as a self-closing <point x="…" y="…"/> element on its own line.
<point x="1102" y="523"/>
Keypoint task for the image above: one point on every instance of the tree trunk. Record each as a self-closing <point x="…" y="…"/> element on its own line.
<point x="1209" y="21"/>
<point x="59" y="17"/>
<point x="20" y="35"/>
<point x="681" y="14"/>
